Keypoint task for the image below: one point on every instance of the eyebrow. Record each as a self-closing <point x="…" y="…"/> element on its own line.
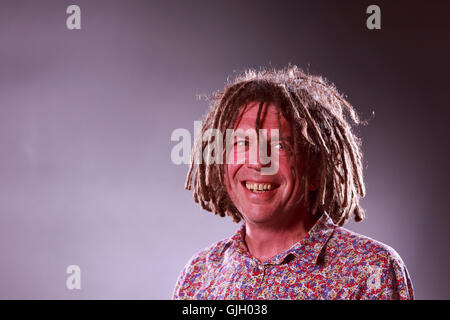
<point x="241" y="134"/>
<point x="283" y="138"/>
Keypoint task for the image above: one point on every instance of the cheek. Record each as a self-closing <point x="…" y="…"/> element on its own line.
<point x="286" y="166"/>
<point x="230" y="173"/>
<point x="292" y="173"/>
<point x="230" y="170"/>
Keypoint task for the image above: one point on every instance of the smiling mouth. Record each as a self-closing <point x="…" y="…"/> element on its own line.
<point x="259" y="187"/>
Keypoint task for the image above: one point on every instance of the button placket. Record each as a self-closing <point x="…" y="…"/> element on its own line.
<point x="262" y="268"/>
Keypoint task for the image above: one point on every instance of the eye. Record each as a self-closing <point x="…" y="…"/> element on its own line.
<point x="241" y="143"/>
<point x="279" y="146"/>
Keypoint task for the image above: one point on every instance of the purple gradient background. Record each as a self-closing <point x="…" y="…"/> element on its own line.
<point x="86" y="118"/>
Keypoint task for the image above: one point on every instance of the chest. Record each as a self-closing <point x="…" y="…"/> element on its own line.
<point x="288" y="281"/>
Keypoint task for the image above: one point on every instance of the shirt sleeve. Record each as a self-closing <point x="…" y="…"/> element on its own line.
<point x="178" y="290"/>
<point x="388" y="282"/>
<point x="190" y="279"/>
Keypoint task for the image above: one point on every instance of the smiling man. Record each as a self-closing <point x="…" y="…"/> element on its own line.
<point x="292" y="244"/>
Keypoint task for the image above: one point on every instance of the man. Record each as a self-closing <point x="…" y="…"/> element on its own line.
<point x="292" y="244"/>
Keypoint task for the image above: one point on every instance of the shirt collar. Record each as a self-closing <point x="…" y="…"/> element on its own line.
<point x="307" y="249"/>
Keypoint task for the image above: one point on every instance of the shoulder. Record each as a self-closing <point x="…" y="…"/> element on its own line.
<point x="375" y="265"/>
<point x="199" y="266"/>
<point x="211" y="254"/>
<point x="358" y="247"/>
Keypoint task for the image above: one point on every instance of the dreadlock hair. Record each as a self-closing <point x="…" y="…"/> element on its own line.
<point x="319" y="116"/>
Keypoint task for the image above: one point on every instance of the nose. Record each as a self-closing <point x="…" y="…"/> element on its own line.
<point x="258" y="158"/>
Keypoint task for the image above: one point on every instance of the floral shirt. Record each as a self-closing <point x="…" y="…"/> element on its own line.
<point x="330" y="262"/>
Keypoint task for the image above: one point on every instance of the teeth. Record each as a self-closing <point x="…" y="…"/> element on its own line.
<point x="259" y="187"/>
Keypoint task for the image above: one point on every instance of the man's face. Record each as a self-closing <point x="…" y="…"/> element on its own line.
<point x="263" y="198"/>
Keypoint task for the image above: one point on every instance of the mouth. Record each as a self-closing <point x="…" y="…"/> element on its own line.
<point x="260" y="187"/>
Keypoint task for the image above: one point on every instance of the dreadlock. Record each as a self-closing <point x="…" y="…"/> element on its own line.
<point x="319" y="116"/>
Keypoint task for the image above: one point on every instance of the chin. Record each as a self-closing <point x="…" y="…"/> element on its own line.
<point x="260" y="214"/>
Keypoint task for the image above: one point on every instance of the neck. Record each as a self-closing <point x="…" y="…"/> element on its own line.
<point x="266" y="240"/>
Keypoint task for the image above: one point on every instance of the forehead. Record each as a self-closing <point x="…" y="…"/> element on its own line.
<point x="268" y="118"/>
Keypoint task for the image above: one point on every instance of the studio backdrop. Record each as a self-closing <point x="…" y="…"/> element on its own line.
<point x="92" y="91"/>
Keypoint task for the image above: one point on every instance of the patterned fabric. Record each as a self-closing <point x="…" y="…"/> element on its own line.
<point x="330" y="262"/>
